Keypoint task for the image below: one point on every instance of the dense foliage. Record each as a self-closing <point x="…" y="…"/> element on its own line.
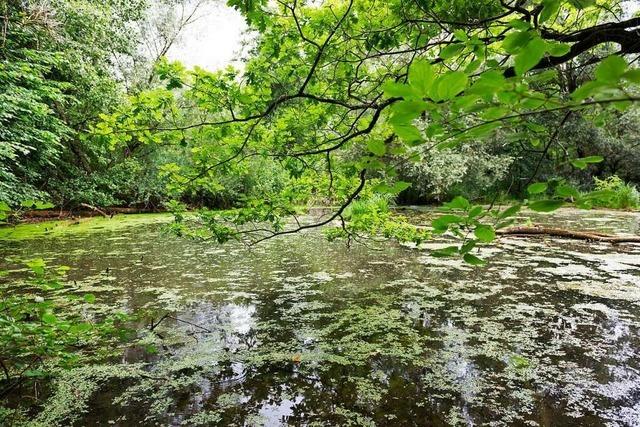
<point x="356" y="98"/>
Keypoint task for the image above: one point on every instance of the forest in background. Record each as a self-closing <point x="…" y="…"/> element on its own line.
<point x="72" y="71"/>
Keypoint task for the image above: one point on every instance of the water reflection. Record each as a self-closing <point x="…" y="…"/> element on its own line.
<point x="300" y="331"/>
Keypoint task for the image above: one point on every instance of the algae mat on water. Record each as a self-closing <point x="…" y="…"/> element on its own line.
<point x="82" y="225"/>
<point x="302" y="331"/>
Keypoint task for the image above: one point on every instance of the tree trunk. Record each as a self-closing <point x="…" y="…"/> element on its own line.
<point x="568" y="234"/>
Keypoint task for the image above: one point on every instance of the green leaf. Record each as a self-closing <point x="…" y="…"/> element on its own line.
<point x="43" y="205"/>
<point x="36" y="265"/>
<point x="397" y="187"/>
<point x="473" y="66"/>
<point x="632" y="75"/>
<point x="467" y="247"/>
<point x="448" y="85"/>
<point x="519" y="362"/>
<point x="4" y="207"/>
<point x="510" y="211"/>
<point x="408" y="133"/>
<point x="519" y="24"/>
<point x="558" y="49"/>
<point x="582" y="4"/>
<point x="537" y="188"/>
<point x="528" y="57"/>
<point x="404" y="112"/>
<point x="579" y="164"/>
<point x="421" y="76"/>
<point x="458" y="202"/>
<point x="592" y="159"/>
<point x="611" y="69"/>
<point x="399" y="90"/>
<point x="588" y="89"/>
<point x="582" y="163"/>
<point x="493" y="113"/>
<point x="377" y="147"/>
<point x="546" y="205"/>
<point x="485" y="233"/>
<point x="515" y="41"/>
<point x="49" y="318"/>
<point x="565" y="190"/>
<point x="443" y="222"/>
<point x="461" y="35"/>
<point x="29" y="204"/>
<point x="90" y="298"/>
<point x="400" y="186"/>
<point x="451" y="50"/>
<point x="80" y="327"/>
<point x="550" y="9"/>
<point x="445" y="252"/>
<point x="473" y="260"/>
<point x="475" y="211"/>
<point x="488" y="83"/>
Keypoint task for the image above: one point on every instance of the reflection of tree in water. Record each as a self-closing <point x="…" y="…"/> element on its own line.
<point x="385" y="336"/>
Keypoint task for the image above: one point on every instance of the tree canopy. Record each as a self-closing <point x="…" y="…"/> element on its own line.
<point x="343" y="94"/>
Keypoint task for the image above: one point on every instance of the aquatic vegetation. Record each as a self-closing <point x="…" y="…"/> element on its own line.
<point x="277" y="334"/>
<point x="79" y="226"/>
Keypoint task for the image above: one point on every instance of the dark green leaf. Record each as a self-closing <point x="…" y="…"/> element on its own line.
<point x="451" y="50"/>
<point x="458" y="202"/>
<point x="473" y="260"/>
<point x="49" y="318"/>
<point x="445" y="252"/>
<point x="442" y="223"/>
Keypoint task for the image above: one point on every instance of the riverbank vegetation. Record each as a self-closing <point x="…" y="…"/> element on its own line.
<point x="105" y="122"/>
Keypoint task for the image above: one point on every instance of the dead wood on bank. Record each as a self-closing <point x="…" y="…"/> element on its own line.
<point x="567" y="234"/>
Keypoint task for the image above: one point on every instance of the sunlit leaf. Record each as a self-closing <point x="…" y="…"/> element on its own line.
<point x="611" y="69"/>
<point x="485" y="233"/>
<point x="537" y="188"/>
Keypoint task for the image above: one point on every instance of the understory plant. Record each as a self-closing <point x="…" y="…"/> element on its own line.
<point x="46" y="325"/>
<point x="620" y="195"/>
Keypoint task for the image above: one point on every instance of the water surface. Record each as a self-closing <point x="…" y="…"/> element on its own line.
<point x="300" y="331"/>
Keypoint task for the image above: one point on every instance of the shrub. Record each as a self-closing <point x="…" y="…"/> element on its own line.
<point x="616" y="193"/>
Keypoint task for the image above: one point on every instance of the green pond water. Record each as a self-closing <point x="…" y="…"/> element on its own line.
<point x="300" y="331"/>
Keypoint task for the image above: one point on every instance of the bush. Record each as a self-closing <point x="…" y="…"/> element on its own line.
<point x="616" y="193"/>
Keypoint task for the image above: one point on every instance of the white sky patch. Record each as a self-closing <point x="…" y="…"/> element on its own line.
<point x="631" y="7"/>
<point x="213" y="41"/>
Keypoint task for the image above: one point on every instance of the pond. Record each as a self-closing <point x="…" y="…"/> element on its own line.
<point x="301" y="331"/>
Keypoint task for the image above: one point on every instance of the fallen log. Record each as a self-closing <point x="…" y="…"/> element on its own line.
<point x="567" y="234"/>
<point x="48" y="214"/>
<point x="93" y="208"/>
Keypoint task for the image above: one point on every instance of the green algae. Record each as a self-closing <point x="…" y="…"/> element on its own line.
<point x="59" y="228"/>
<point x="302" y="331"/>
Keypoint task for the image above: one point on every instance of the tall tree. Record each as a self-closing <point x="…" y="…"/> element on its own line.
<point x="348" y="88"/>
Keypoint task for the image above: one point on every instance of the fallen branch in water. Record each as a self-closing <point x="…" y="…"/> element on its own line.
<point x="93" y="208"/>
<point x="568" y="234"/>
